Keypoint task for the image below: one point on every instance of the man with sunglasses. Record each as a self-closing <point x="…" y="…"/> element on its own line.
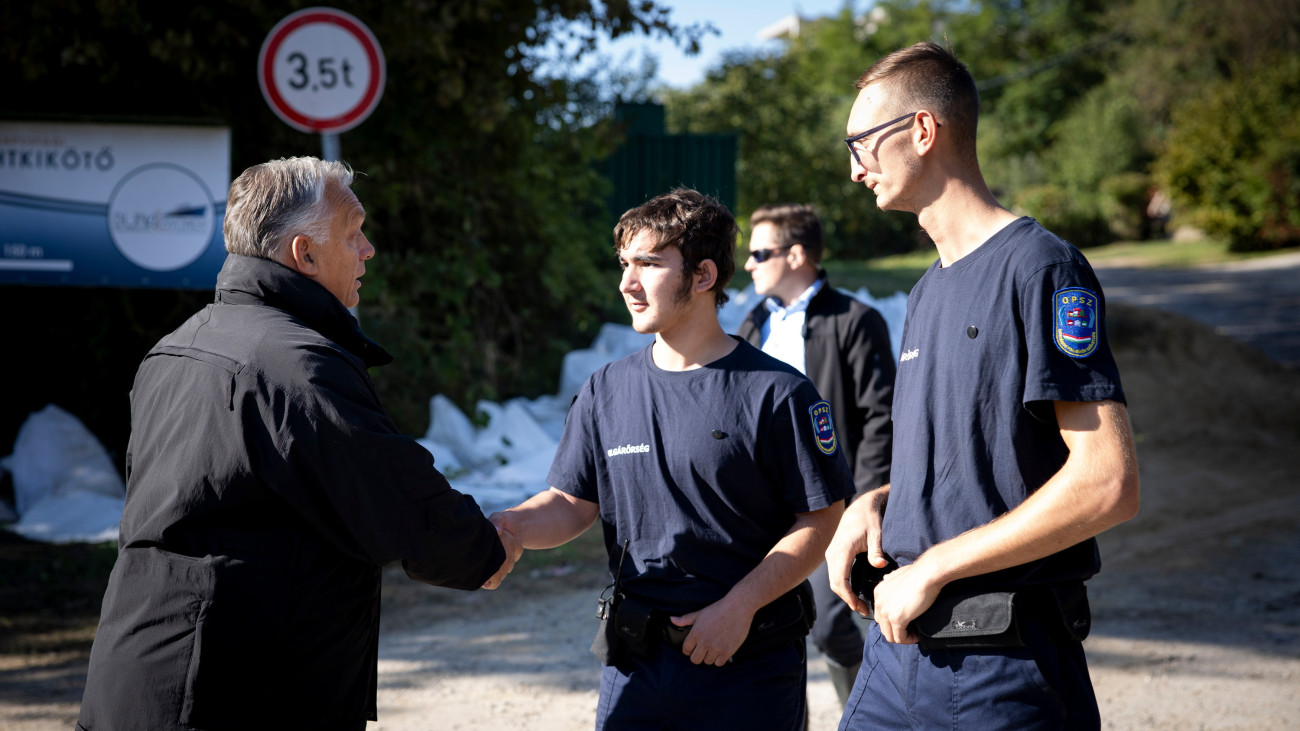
<point x="843" y="346"/>
<point x="1012" y="446"/>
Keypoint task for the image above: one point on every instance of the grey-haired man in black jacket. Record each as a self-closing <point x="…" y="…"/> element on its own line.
<point x="267" y="487"/>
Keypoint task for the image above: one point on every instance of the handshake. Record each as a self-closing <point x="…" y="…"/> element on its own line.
<point x="546" y="520"/>
<point x="514" y="550"/>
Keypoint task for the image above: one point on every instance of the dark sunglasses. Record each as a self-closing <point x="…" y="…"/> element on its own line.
<point x="851" y="141"/>
<point x="761" y="255"/>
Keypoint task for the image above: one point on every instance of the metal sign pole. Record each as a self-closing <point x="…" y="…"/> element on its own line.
<point x="329" y="146"/>
<point x="329" y="150"/>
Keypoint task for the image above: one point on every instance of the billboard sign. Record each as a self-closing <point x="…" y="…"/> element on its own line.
<point x="112" y="204"/>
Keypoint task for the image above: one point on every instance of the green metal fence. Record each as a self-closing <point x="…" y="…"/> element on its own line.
<point x="651" y="162"/>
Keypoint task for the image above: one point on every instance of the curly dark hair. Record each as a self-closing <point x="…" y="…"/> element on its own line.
<point x="697" y="224"/>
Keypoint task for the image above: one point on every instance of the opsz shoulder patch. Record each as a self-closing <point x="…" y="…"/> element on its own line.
<point x="823" y="427"/>
<point x="1076" y="320"/>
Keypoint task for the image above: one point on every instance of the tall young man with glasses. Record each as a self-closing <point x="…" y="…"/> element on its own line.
<point x="843" y="346"/>
<point x="718" y="479"/>
<point x="1012" y="446"/>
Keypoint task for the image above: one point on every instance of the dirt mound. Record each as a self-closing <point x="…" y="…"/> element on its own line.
<point x="1220" y="418"/>
<point x="1197" y="608"/>
<point x="1187" y="378"/>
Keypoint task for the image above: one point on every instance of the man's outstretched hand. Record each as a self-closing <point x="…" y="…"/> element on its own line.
<point x="513" y="551"/>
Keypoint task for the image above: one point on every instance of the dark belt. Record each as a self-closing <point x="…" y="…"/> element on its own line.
<point x="986" y="617"/>
<point x="787" y="618"/>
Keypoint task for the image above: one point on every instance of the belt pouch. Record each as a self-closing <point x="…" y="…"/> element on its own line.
<point x="607" y="647"/>
<point x="789" y="617"/>
<point x="632" y="625"/>
<point x="627" y="629"/>
<point x="1072" y="602"/>
<point x="962" y="621"/>
<point x="863" y="578"/>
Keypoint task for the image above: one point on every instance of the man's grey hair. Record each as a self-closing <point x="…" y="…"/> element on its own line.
<point x="271" y="203"/>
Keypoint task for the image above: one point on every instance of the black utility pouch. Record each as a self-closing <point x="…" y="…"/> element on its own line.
<point x="967" y="621"/>
<point x="625" y="628"/>
<point x="789" y="617"/>
<point x="863" y="578"/>
<point x="607" y="646"/>
<point x="632" y="625"/>
<point x="1076" y="616"/>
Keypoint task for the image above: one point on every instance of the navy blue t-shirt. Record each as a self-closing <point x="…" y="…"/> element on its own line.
<point x="702" y="471"/>
<point x="988" y="343"/>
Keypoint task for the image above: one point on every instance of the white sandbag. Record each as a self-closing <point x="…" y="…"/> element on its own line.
<point x="7" y="512"/>
<point x="740" y="303"/>
<point x="509" y="484"/>
<point x="528" y="472"/>
<point x="490" y="496"/>
<point x="444" y="457"/>
<point x="55" y="454"/>
<point x="549" y="411"/>
<point x="449" y="426"/>
<point x="72" y="517"/>
<point x="617" y="341"/>
<point x="525" y="436"/>
<point x="894" y="309"/>
<point x="611" y="343"/>
<point x="511" y="434"/>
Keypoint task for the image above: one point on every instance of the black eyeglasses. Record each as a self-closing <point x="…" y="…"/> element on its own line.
<point x="863" y="135"/>
<point x="761" y="255"/>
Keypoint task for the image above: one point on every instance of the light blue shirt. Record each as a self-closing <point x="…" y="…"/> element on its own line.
<point x="783" y="330"/>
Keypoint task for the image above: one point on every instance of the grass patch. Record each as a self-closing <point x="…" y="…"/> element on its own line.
<point x="882" y="276"/>
<point x="1167" y="254"/>
<point x="50" y="594"/>
<point x="897" y="273"/>
<point x="586" y="553"/>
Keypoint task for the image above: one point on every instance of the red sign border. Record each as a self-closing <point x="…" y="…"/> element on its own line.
<point x="266" y="76"/>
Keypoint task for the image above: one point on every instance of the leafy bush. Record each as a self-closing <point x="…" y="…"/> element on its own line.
<point x="1233" y="158"/>
<point x="1122" y="201"/>
<point x="1064" y="214"/>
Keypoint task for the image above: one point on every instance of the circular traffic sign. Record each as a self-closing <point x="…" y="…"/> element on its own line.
<point x="321" y="70"/>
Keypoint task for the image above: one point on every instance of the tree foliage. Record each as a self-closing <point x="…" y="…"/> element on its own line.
<point x="1231" y="151"/>
<point x="1087" y="109"/>
<point x="1233" y="157"/>
<point x="493" y="255"/>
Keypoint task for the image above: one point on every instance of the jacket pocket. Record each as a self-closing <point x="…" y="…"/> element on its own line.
<point x="193" y="706"/>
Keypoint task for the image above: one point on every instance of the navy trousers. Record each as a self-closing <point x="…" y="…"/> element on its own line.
<point x="667" y="692"/>
<point x="1044" y="685"/>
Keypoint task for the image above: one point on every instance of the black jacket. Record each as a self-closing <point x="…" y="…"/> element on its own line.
<point x="848" y="359"/>
<point x="266" y="488"/>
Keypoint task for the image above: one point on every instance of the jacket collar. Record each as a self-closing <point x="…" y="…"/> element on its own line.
<point x="760" y="313"/>
<point x="246" y="280"/>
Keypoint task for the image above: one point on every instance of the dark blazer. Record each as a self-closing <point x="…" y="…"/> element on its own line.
<point x="266" y="489"/>
<point x="848" y="358"/>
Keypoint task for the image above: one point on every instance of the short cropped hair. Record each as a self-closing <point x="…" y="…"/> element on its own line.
<point x="272" y="202"/>
<point x="928" y="76"/>
<point x="793" y="223"/>
<point x="697" y="224"/>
